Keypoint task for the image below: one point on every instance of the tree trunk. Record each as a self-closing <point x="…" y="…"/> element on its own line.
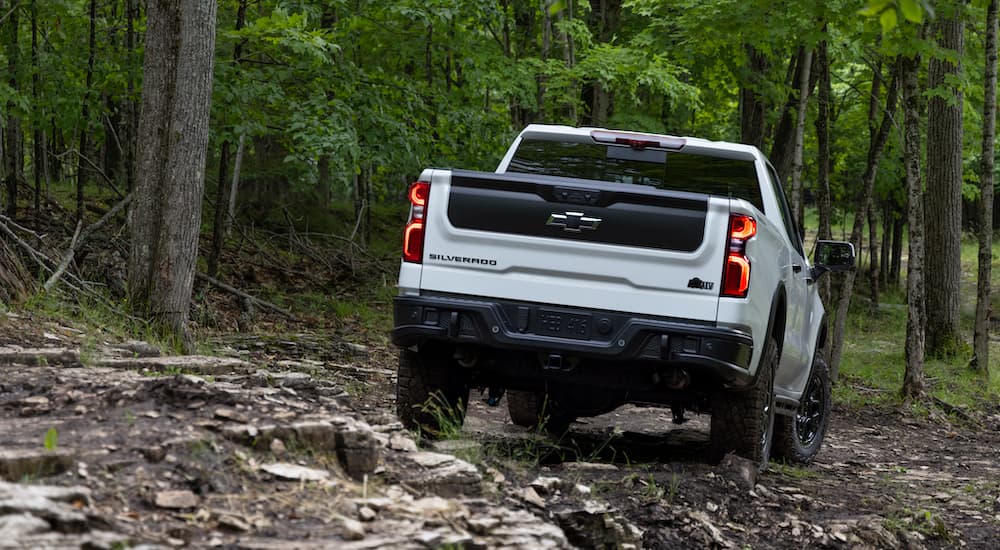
<point x="885" y="251"/>
<point x="873" y="259"/>
<point x="944" y="189"/>
<point x="234" y="186"/>
<point x="222" y="193"/>
<point x="752" y="104"/>
<point x="324" y="181"/>
<point x="165" y="216"/>
<point x="220" y="227"/>
<point x="603" y="22"/>
<point x="805" y="70"/>
<point x="913" y="378"/>
<point x="861" y="209"/>
<point x="897" y="249"/>
<point x="546" y="49"/>
<point x="131" y="112"/>
<point x="823" y="155"/>
<point x="981" y="338"/>
<point x="569" y="56"/>
<point x="13" y="153"/>
<point x="81" y="172"/>
<point x="783" y="137"/>
<point x="37" y="155"/>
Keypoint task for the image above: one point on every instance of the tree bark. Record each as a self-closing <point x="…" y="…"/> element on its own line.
<point x="540" y="80"/>
<point x="783" y="136"/>
<point x="569" y="56"/>
<point x="885" y="246"/>
<point x="897" y="249"/>
<point x="823" y="155"/>
<point x="38" y="154"/>
<point x="81" y="173"/>
<point x="131" y="112"/>
<point x="234" y="186"/>
<point x="603" y="22"/>
<point x="805" y="70"/>
<point x="752" y="103"/>
<point x="13" y="153"/>
<point x="944" y="189"/>
<point x="224" y="188"/>
<point x="165" y="216"/>
<point x="913" y="378"/>
<point x="873" y="259"/>
<point x="861" y="209"/>
<point x="981" y="337"/>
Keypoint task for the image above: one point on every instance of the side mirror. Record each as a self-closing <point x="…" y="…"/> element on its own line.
<point x="835" y="256"/>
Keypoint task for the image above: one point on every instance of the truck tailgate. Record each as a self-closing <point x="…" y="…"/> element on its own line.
<point x="614" y="247"/>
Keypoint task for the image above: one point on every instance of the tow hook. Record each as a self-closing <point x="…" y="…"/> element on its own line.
<point x="553" y="362"/>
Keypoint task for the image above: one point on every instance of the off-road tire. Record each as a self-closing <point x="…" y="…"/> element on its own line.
<point x="431" y="392"/>
<point x="537" y="411"/>
<point x="743" y="421"/>
<point x="798" y="438"/>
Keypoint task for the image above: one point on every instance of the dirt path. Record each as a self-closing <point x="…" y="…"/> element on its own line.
<point x="882" y="480"/>
<point x="291" y="443"/>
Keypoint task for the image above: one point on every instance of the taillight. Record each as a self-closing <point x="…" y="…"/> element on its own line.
<point x="736" y="271"/>
<point x="413" y="235"/>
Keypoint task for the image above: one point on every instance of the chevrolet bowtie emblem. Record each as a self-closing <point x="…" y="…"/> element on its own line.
<point x="573" y="221"/>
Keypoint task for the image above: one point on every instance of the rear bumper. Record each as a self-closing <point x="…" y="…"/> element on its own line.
<point x="719" y="353"/>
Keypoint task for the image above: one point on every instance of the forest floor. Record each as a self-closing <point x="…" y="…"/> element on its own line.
<point x="291" y="441"/>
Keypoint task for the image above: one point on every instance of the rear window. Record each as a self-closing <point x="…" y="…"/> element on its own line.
<point x="656" y="168"/>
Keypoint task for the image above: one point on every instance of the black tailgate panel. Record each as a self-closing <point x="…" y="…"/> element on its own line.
<point x="582" y="210"/>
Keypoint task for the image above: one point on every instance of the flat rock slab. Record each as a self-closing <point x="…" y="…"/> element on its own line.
<point x="441" y="474"/>
<point x="70" y="495"/>
<point x="176" y="500"/>
<point x="16" y="464"/>
<point x="199" y="364"/>
<point x="16" y="355"/>
<point x="294" y="472"/>
<point x="45" y="516"/>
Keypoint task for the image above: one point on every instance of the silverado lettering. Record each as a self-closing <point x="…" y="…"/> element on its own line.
<point x="461" y="259"/>
<point x="600" y="232"/>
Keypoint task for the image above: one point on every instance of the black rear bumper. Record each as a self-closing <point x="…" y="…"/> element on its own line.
<point x="703" y="348"/>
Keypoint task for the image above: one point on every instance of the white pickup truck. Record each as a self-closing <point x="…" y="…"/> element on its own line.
<point x="598" y="267"/>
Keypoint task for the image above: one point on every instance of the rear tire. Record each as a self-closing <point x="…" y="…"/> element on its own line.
<point x="537" y="411"/>
<point x="743" y="421"/>
<point x="431" y="393"/>
<point x="798" y="438"/>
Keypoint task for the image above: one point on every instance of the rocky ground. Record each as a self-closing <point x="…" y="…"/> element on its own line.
<point x="290" y="442"/>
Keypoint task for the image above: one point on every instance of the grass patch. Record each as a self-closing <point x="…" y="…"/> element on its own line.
<point x="100" y="318"/>
<point x="793" y="471"/>
<point x="873" y="361"/>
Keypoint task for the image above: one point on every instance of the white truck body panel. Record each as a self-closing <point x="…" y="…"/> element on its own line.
<point x="582" y="274"/>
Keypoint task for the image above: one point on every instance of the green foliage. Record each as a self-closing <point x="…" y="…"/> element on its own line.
<point x="887" y="11"/>
<point x="448" y="419"/>
<point x="51" y="439"/>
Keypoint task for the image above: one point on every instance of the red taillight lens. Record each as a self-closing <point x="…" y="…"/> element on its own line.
<point x="736" y="271"/>
<point x="742" y="227"/>
<point x="413" y="234"/>
<point x="736" y="277"/>
<point x="419" y="192"/>
<point x="413" y="242"/>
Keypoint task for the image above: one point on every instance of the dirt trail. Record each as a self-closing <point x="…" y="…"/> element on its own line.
<point x="882" y="480"/>
<point x="291" y="443"/>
